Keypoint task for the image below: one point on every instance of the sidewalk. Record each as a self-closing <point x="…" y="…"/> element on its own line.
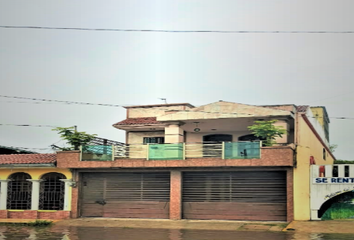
<point x="331" y="226"/>
<point x="174" y="224"/>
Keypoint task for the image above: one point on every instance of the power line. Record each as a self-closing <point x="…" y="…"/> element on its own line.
<point x="60" y="101"/>
<point x="115" y="105"/>
<point x="26" y="125"/>
<point x="171" y="31"/>
<point x="30" y="148"/>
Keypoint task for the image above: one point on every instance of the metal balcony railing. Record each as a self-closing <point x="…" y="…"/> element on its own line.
<point x="173" y="151"/>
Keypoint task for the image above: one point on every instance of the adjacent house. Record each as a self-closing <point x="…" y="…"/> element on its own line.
<point x="185" y="162"/>
<point x="33" y="188"/>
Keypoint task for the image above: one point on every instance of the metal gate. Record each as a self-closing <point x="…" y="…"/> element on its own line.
<point x="126" y="195"/>
<point x="246" y="195"/>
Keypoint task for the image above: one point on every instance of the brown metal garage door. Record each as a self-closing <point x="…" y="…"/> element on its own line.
<point x="126" y="195"/>
<point x="235" y="195"/>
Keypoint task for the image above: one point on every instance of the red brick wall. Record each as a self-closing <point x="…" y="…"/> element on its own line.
<point x="75" y="196"/>
<point x="176" y="195"/>
<point x="270" y="156"/>
<point x="3" y="214"/>
<point x="290" y="194"/>
<point x="54" y="215"/>
<point x="32" y="214"/>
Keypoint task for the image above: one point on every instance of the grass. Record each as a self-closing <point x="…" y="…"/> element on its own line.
<point x="40" y="223"/>
<point x="339" y="211"/>
<point x="37" y="223"/>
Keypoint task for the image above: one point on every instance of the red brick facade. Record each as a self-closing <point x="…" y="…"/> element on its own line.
<point x="32" y="214"/>
<point x="270" y="157"/>
<point x="176" y="195"/>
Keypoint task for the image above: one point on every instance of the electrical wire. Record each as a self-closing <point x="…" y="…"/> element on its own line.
<point x="60" y="101"/>
<point x="116" y="105"/>
<point x="26" y="125"/>
<point x="172" y="31"/>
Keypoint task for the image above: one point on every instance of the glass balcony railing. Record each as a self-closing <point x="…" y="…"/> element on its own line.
<point x="173" y="151"/>
<point x="165" y="151"/>
<point x="242" y="150"/>
<point x="97" y="153"/>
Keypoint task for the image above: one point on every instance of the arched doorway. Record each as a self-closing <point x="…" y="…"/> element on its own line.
<point x="19" y="192"/>
<point x="212" y="144"/>
<point x="217" y="138"/>
<point x="250" y="137"/>
<point x="52" y="192"/>
<point x="338" y="207"/>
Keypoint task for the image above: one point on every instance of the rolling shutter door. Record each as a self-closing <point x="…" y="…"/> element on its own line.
<point x="240" y="195"/>
<point x="126" y="195"/>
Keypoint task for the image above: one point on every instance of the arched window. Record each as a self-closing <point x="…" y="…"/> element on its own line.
<point x="51" y="195"/>
<point x="250" y="137"/>
<point x="19" y="192"/>
<point x="217" y="138"/>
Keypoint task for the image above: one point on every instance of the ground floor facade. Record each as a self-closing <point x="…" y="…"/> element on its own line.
<point x="240" y="193"/>
<point x="35" y="193"/>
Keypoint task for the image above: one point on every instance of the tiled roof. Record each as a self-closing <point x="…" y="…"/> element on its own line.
<point x="27" y="158"/>
<point x="302" y="108"/>
<point x="138" y="121"/>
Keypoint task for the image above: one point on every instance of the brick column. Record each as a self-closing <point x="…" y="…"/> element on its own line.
<point x="35" y="193"/>
<point x="3" y="194"/>
<point x="290" y="195"/>
<point x="176" y="195"/>
<point x="75" y="196"/>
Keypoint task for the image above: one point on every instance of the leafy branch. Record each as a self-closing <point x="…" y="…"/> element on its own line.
<point x="74" y="138"/>
<point x="267" y="130"/>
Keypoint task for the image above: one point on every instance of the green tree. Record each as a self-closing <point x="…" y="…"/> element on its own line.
<point x="343" y="162"/>
<point x="267" y="130"/>
<point x="74" y="138"/>
<point x="333" y="147"/>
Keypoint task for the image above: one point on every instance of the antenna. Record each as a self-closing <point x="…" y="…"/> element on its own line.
<point x="164" y="99"/>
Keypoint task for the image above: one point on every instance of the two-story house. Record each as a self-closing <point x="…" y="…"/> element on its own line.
<point x="186" y="162"/>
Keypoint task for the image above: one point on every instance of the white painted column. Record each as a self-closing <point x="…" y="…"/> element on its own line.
<point x="329" y="170"/>
<point x="340" y="170"/>
<point x="3" y="194"/>
<point x="67" y="184"/>
<point x="351" y="170"/>
<point x="35" y="193"/>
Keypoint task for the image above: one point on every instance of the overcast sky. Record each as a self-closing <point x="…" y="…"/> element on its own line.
<point x="139" y="67"/>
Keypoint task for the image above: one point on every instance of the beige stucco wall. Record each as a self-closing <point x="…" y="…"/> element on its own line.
<point x="308" y="145"/>
<point x="285" y="137"/>
<point x="135" y="141"/>
<point x="193" y="137"/>
<point x="153" y="111"/>
<point x="137" y="137"/>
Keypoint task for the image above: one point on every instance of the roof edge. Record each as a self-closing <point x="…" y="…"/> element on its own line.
<point x="161" y="105"/>
<point x="20" y="165"/>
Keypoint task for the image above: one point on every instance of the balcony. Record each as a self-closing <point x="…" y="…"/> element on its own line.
<point x="173" y="151"/>
<point x="180" y="155"/>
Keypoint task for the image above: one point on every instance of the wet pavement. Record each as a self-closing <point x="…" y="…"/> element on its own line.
<point x="56" y="232"/>
<point x="148" y="229"/>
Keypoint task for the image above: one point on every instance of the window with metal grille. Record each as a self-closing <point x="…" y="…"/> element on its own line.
<point x="19" y="192"/>
<point x="158" y="140"/>
<point x="51" y="195"/>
